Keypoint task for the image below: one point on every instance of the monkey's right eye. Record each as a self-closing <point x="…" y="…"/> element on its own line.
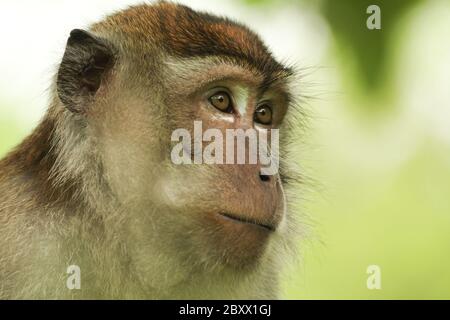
<point x="222" y="101"/>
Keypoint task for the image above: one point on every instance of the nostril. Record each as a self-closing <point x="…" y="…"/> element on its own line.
<point x="264" y="177"/>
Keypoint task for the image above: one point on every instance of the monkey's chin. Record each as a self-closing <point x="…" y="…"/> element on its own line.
<point x="238" y="242"/>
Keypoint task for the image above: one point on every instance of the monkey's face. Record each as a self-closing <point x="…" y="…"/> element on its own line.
<point x="240" y="207"/>
<point x="224" y="211"/>
<point x="150" y="73"/>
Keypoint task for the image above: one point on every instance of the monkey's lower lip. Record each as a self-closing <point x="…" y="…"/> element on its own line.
<point x="239" y="219"/>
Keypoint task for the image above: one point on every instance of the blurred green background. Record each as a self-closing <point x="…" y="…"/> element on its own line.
<point x="379" y="138"/>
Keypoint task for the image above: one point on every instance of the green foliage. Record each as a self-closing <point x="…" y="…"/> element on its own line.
<point x="398" y="220"/>
<point x="397" y="216"/>
<point x="347" y="20"/>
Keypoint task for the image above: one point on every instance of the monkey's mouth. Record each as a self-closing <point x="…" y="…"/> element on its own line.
<point x="238" y="219"/>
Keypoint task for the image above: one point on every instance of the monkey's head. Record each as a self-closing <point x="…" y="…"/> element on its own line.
<point x="127" y="84"/>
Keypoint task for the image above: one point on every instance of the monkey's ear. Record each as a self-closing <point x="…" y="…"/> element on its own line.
<point x="85" y="62"/>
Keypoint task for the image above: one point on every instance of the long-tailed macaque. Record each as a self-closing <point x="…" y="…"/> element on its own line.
<point x="94" y="185"/>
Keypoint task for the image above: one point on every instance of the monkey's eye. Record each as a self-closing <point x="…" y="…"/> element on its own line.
<point x="263" y="114"/>
<point x="222" y="101"/>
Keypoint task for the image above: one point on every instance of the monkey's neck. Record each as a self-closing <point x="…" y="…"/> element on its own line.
<point x="31" y="164"/>
<point x="53" y="163"/>
<point x="52" y="187"/>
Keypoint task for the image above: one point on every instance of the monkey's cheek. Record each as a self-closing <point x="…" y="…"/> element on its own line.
<point x="236" y="244"/>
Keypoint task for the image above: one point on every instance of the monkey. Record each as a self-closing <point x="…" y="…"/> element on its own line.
<point x="94" y="186"/>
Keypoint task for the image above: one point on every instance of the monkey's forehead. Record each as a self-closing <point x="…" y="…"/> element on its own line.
<point x="191" y="74"/>
<point x="183" y="32"/>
